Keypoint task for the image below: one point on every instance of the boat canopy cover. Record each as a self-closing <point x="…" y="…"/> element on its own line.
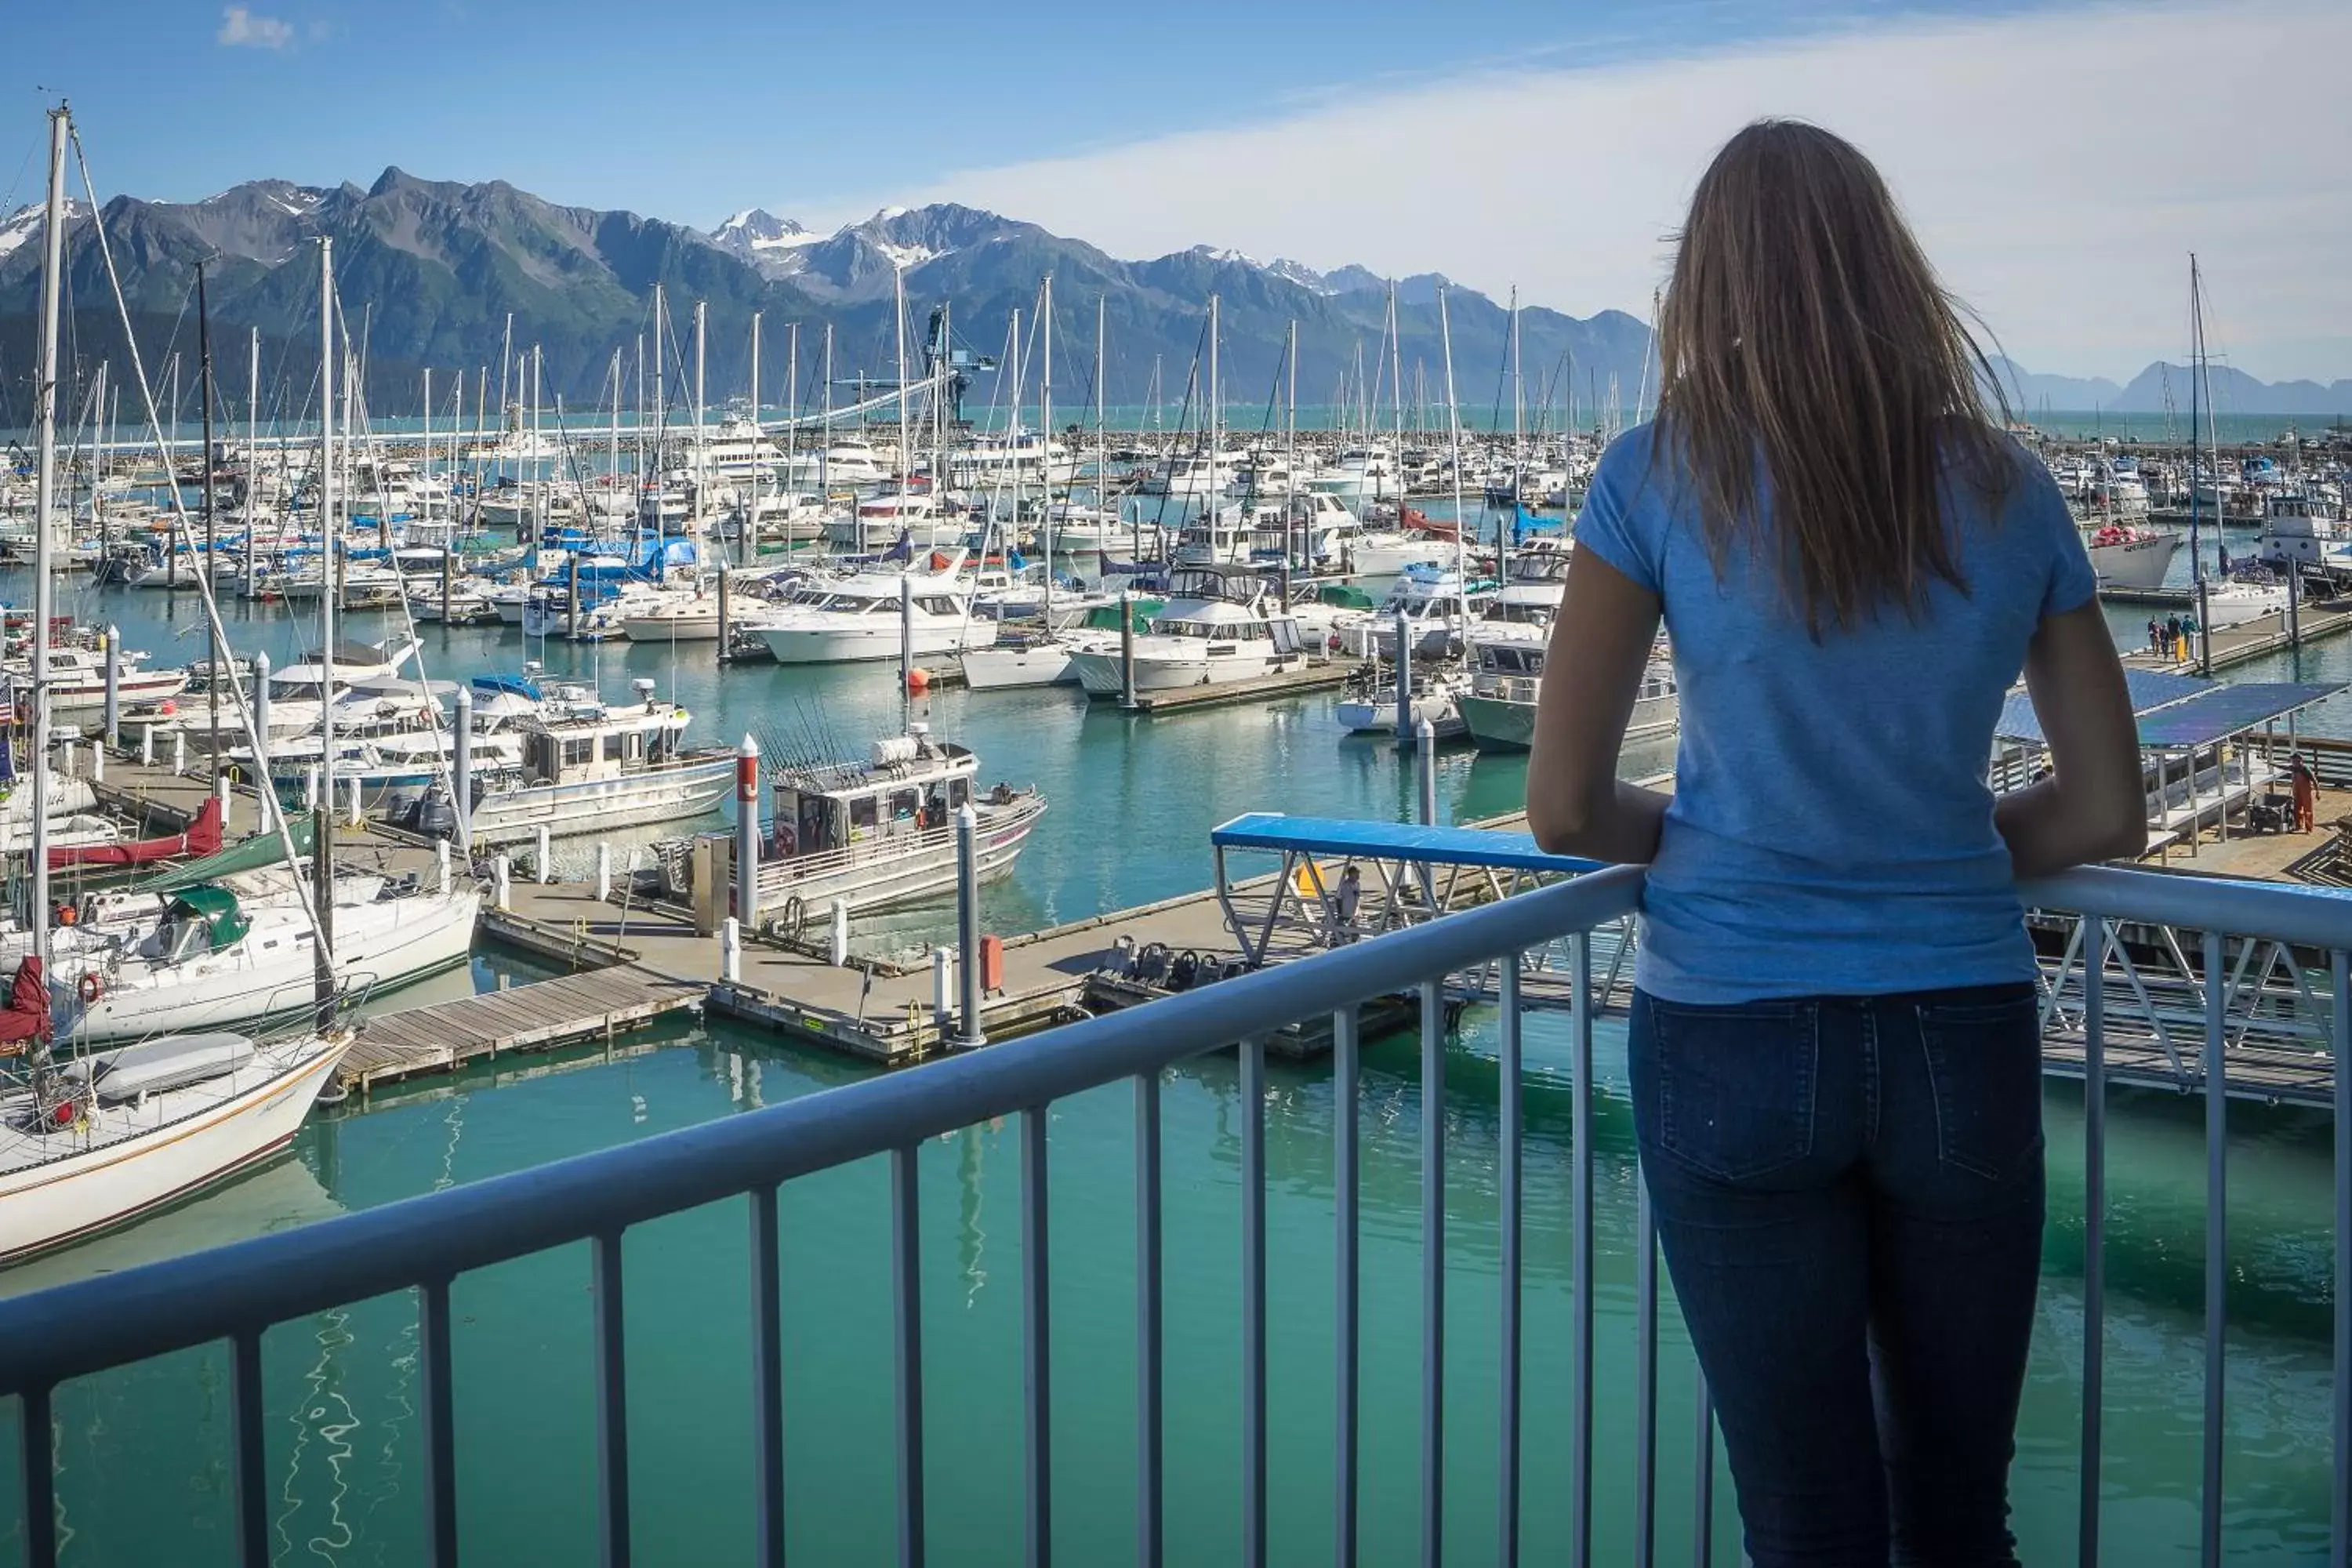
<point x="509" y="686"/>
<point x="1105" y="618"/>
<point x="1345" y="596"/>
<point x="261" y="849"/>
<point x="217" y="907"/>
<point x="152" y="1066"/>
<point x="1391" y="841"/>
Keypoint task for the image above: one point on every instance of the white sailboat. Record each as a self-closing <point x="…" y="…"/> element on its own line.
<point x="110" y="1136"/>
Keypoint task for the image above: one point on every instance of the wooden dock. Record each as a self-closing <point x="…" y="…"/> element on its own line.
<point x="1317" y="675"/>
<point x="2249" y="640"/>
<point x="446" y="1035"/>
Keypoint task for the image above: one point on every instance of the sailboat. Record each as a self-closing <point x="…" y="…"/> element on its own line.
<point x="89" y="1144"/>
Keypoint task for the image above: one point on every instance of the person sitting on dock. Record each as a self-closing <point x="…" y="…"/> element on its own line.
<point x="2306" y="792"/>
<point x="1834" y="1042"/>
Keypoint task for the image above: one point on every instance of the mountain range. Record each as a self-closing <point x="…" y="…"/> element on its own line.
<point x="428" y="273"/>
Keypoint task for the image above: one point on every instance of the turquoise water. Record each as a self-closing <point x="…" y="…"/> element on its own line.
<point x="144" y="1451"/>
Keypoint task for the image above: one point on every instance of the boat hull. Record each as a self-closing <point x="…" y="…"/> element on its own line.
<point x="1499" y="724"/>
<point x="664" y="795"/>
<point x="1006" y="668"/>
<point x="2139" y="563"/>
<point x="1156" y="671"/>
<point x="61" y="1201"/>
<point x="900" y="873"/>
<point x="855" y="644"/>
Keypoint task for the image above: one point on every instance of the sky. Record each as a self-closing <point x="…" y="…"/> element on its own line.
<point x="2060" y="160"/>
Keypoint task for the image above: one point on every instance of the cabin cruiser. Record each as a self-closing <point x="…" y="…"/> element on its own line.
<point x="1360" y="473"/>
<point x="2303" y="531"/>
<point x="365" y="683"/>
<point x="860" y="618"/>
<point x="1537" y="583"/>
<point x="1436" y="604"/>
<point x="78" y="679"/>
<point x="1506" y="671"/>
<point x="919" y="518"/>
<point x="1221" y="624"/>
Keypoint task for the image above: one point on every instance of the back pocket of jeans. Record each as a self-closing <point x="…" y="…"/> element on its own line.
<point x="1733" y="1084"/>
<point x="1984" y="1057"/>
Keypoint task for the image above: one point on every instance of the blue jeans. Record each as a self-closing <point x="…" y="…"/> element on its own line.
<point x="1849" y="1192"/>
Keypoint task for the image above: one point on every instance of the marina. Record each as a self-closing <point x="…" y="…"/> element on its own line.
<point x="479" y="805"/>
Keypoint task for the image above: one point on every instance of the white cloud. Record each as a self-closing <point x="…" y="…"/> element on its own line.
<point x="2059" y="165"/>
<point x="243" y="29"/>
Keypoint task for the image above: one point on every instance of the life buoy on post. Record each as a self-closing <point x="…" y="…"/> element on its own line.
<point x="89" y="988"/>
<point x="796" y="918"/>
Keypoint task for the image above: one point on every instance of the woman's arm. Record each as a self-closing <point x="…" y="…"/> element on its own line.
<point x="2093" y="807"/>
<point x="1600" y="648"/>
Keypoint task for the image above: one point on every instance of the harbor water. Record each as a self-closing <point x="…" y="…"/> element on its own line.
<point x="143" y="1453"/>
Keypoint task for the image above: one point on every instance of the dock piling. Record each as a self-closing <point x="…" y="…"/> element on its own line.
<point x="66" y="760"/>
<point x="310" y="787"/>
<point x="1403" y="683"/>
<point x="449" y="558"/>
<point x="261" y="717"/>
<point x="942" y="988"/>
<point x="839" y="948"/>
<point x="461" y="784"/>
<point x="97" y="760"/>
<point x="1424" y="745"/>
<point x="572" y="598"/>
<point x="968" y="923"/>
<point x="726" y="611"/>
<point x="179" y="753"/>
<point x="502" y="880"/>
<point x="730" y="950"/>
<point x="544" y="861"/>
<point x="1127" y="649"/>
<point x="747" y="833"/>
<point x="227" y="801"/>
<point x="147" y="746"/>
<point x="113" y="686"/>
<point x="358" y="817"/>
<point x="604" y="870"/>
<point x="441" y="864"/>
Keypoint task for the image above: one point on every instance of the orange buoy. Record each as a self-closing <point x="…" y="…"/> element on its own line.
<point x="918" y="680"/>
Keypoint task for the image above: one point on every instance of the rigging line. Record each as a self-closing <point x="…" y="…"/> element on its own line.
<point x="307" y="895"/>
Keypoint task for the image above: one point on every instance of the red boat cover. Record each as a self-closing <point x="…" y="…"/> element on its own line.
<point x="26" y="1016"/>
<point x="203" y="838"/>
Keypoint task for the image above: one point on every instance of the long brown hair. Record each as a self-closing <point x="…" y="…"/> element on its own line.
<point x="1805" y="334"/>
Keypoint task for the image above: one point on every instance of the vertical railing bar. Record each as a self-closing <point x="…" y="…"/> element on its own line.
<point x="439" y="1423"/>
<point x="2217" y="1244"/>
<point x="2340" y="976"/>
<point x="250" y="1461"/>
<point x="1346" y="1069"/>
<point x="1252" y="1175"/>
<point x="1579" y="1435"/>
<point x="1646" y="1378"/>
<point x="768" y="1376"/>
<point x="1511" y="1180"/>
<point x="611" y="1402"/>
<point x="2095" y="1231"/>
<point x="906" y="1322"/>
<point x="1703" y="1484"/>
<point x="1036" y="1338"/>
<point x="38" y="1442"/>
<point x="1148" y="1429"/>
<point x="1433" y="1273"/>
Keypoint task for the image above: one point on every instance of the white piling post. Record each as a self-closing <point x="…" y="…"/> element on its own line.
<point x="66" y="760"/>
<point x="840" y="946"/>
<point x="968" y="923"/>
<point x="546" y="868"/>
<point x="147" y="746"/>
<point x="310" y="788"/>
<point x="747" y="833"/>
<point x="227" y="800"/>
<point x="441" y="863"/>
<point x="502" y="880"/>
<point x="604" y="870"/>
<point x="730" y="950"/>
<point x="1424" y="741"/>
<point x="357" y="816"/>
<point x="98" y="762"/>
<point x="179" y="751"/>
<point x="942" y="989"/>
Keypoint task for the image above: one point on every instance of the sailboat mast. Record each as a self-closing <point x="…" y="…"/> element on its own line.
<point x="204" y="397"/>
<point x="44" y="413"/>
<point x="1216" y="402"/>
<point x="1102" y="445"/>
<point x="743" y="541"/>
<point x="252" y="443"/>
<point x="2196" y="387"/>
<point x="824" y="453"/>
<point x="1045" y="438"/>
<point x="322" y="826"/>
<point x="701" y="459"/>
<point x="1453" y="428"/>
<point x="899" y="318"/>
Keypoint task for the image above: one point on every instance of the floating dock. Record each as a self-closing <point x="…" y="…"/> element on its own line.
<point x="1316" y="675"/>
<point x="542" y="1016"/>
<point x="2257" y="639"/>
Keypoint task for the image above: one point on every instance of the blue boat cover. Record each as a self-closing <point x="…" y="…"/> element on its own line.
<point x="1391" y="841"/>
<point x="521" y="686"/>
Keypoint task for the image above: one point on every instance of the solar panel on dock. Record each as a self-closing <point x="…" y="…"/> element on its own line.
<point x="1391" y="841"/>
<point x="2149" y="689"/>
<point x="2226" y="710"/>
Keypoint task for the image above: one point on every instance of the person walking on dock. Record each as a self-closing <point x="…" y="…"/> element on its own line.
<point x="2172" y="636"/>
<point x="2306" y="792"/>
<point x="2155" y="636"/>
<point x="1834" y="1045"/>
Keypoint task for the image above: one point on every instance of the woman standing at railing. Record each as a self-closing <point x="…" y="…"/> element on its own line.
<point x="1834" y="1043"/>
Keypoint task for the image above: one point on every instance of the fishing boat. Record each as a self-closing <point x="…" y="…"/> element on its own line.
<point x="880" y="833"/>
<point x="1369" y="706"/>
<point x="1220" y="623"/>
<point x="1506" y="671"/>
<point x="1437" y="605"/>
<point x="585" y="766"/>
<point x="2125" y="556"/>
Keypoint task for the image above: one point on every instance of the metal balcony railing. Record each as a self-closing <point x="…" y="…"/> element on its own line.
<point x="423" y="1243"/>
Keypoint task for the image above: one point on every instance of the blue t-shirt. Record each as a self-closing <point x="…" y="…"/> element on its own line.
<point x="1832" y="828"/>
